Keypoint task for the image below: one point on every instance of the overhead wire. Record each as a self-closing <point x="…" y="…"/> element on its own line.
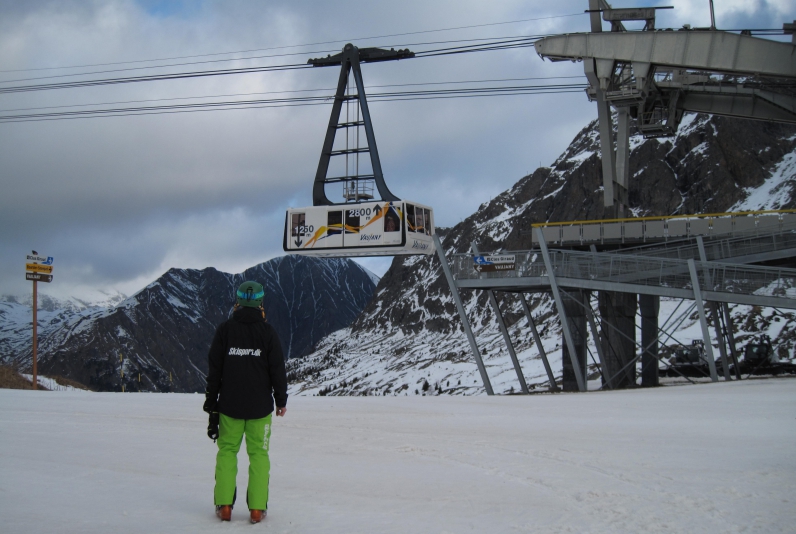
<point x="498" y="45"/>
<point x="290" y="91"/>
<point x="467" y="92"/>
<point x="149" y="78"/>
<point x="165" y="66"/>
<point x="474" y="45"/>
<point x="302" y="45"/>
<point x="267" y="56"/>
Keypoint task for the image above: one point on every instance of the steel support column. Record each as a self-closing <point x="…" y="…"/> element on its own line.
<point x="615" y="162"/>
<point x="595" y="18"/>
<point x="595" y="334"/>
<point x="649" y="307"/>
<point x="608" y="156"/>
<point x="618" y="314"/>
<point x="539" y="346"/>
<point x="622" y="162"/>
<point x="725" y="362"/>
<point x="502" y="325"/>
<point x="580" y="377"/>
<point x="463" y="315"/>
<point x="731" y="338"/>
<point x="703" y="321"/>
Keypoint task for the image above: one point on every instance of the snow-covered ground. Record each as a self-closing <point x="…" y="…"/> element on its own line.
<point x="704" y="458"/>
<point x="48" y="383"/>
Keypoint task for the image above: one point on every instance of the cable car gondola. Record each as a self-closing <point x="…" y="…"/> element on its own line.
<point x="361" y="225"/>
<point x="362" y="229"/>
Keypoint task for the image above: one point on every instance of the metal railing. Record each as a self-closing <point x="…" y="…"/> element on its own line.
<point x="657" y="229"/>
<point x="758" y="242"/>
<point x="625" y="269"/>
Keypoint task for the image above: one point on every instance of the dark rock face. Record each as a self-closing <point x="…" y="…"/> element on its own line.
<point x="162" y="333"/>
<point x="714" y="163"/>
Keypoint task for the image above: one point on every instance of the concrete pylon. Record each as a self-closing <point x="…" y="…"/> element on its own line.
<point x="649" y="306"/>
<point x="574" y="302"/>
<point x="618" y="314"/>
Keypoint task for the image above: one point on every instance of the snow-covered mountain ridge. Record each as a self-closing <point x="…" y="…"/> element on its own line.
<point x="157" y="340"/>
<point x="409" y="337"/>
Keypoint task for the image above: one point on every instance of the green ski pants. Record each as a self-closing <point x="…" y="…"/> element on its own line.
<point x="230" y="434"/>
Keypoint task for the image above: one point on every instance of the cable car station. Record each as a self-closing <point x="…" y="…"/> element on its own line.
<point x="652" y="76"/>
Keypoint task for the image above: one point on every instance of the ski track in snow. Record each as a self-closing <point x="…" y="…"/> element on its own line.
<point x="696" y="459"/>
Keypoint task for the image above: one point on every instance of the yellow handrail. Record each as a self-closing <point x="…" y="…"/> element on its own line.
<point x="661" y="218"/>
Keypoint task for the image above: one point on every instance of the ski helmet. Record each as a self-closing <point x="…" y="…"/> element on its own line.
<point x="250" y="294"/>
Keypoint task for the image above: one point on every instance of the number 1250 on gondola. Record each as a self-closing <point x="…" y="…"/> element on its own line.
<point x="363" y="229"/>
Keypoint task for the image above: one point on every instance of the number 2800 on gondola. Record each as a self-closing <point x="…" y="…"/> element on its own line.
<point x="363" y="229"/>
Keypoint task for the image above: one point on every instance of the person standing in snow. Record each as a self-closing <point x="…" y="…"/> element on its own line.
<point x="246" y="375"/>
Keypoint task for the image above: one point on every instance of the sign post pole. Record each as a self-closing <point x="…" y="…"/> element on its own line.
<point x="37" y="269"/>
<point x="35" y="307"/>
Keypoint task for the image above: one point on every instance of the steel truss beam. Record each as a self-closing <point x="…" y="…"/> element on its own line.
<point x="713" y="51"/>
<point x="463" y="315"/>
<point x="703" y="320"/>
<point x="539" y="346"/>
<point x="551" y="280"/>
<point x="349" y="60"/>
<point x="506" y="338"/>
<point x="541" y="283"/>
<point x="598" y="345"/>
<point x="714" y="311"/>
<point x="644" y="349"/>
<point x="735" y="101"/>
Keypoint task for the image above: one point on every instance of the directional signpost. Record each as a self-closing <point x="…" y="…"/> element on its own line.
<point x="494" y="263"/>
<point x="38" y="277"/>
<point x="37" y="269"/>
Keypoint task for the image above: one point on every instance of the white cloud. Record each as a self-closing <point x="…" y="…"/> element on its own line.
<point x="119" y="200"/>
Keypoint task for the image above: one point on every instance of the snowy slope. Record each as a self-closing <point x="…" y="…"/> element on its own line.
<point x="410" y="335"/>
<point x="16" y="322"/>
<point x="701" y="459"/>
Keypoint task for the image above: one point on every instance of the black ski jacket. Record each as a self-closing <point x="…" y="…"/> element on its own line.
<point x="246" y="366"/>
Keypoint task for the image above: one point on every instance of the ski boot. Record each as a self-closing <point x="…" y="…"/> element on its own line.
<point x="255" y="516"/>
<point x="224" y="512"/>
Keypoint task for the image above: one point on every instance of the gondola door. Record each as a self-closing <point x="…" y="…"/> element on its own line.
<point x="315" y="228"/>
<point x="393" y="224"/>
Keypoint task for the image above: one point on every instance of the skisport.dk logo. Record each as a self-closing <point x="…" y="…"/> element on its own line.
<point x="244" y="352"/>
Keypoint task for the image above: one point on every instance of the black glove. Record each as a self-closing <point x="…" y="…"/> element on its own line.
<point x="211" y="402"/>
<point x="212" y="426"/>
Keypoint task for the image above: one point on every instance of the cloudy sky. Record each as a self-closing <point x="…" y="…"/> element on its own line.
<point x="119" y="200"/>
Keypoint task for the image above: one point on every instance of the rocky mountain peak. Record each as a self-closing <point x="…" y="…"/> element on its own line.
<point x="157" y="339"/>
